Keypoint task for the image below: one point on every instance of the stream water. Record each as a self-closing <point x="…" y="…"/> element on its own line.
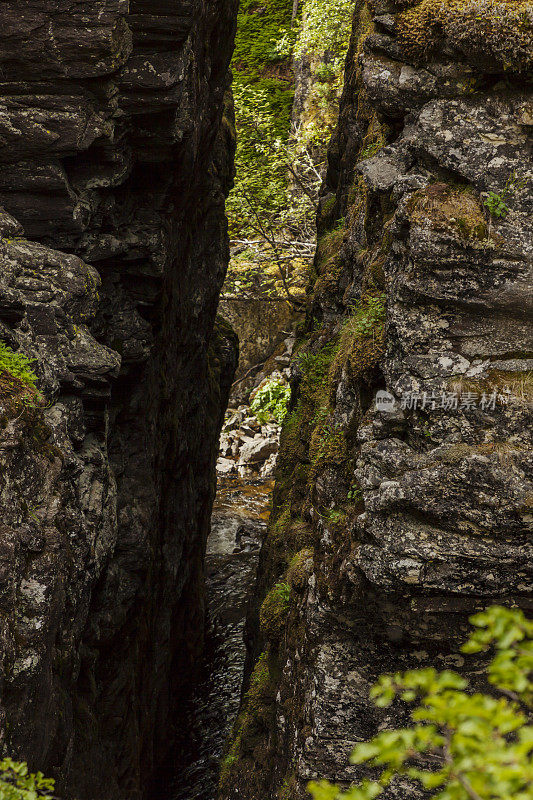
<point x="239" y="520"/>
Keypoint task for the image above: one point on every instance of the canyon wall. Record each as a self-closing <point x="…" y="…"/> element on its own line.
<point x="391" y="526"/>
<point x="116" y="147"/>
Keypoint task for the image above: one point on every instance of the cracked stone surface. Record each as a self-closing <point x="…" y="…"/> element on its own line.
<point x="116" y="149"/>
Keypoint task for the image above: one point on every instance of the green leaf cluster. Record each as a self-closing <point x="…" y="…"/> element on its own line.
<point x="325" y="28"/>
<point x="18" y="783"/>
<point x="463" y="745"/>
<point x="367" y="316"/>
<point x="355" y="493"/>
<point x="284" y="591"/>
<point x="496" y="202"/>
<point x="272" y="401"/>
<point x="496" y="205"/>
<point x="17" y="365"/>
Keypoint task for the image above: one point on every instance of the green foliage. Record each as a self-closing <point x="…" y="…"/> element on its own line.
<point x="496" y="202"/>
<point x="511" y="635"/>
<point x="284" y="591"/>
<point x="279" y="167"/>
<point x="355" y="493"/>
<point x="17" y="365"/>
<point x="17" y="381"/>
<point x="323" y="790"/>
<point x="259" y="27"/>
<point x="18" y="783"/>
<point x="496" y="205"/>
<point x="274" y="612"/>
<point x="327" y="28"/>
<point x="315" y="367"/>
<point x="262" y="111"/>
<point x="368" y="315"/>
<point x="272" y="401"/>
<point x="263" y="98"/>
<point x="463" y="745"/>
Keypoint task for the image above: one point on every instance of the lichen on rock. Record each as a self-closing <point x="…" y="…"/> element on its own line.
<point x="416" y="514"/>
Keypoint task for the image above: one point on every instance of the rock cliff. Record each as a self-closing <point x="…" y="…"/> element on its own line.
<point x="116" y="145"/>
<point x="391" y="525"/>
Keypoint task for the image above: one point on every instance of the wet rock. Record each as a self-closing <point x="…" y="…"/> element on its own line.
<point x="225" y="466"/>
<point x="257" y="451"/>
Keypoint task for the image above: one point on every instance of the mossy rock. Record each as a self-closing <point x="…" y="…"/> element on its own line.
<point x="286" y="536"/>
<point x="328" y="247"/>
<point x="457" y="211"/>
<point x="289" y="789"/>
<point x="273" y="615"/>
<point x="492" y="34"/>
<point x="300" y="567"/>
<point x="514" y="387"/>
<point x="362" y="339"/>
<point x="254" y="721"/>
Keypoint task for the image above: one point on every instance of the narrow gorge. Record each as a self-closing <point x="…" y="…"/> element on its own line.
<point x="156" y="642"/>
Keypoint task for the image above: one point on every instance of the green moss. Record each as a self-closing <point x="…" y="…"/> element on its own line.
<point x="328" y="246"/>
<point x="254" y="720"/>
<point x="491" y="30"/>
<point x="315" y="367"/>
<point x="327" y="207"/>
<point x="374" y="139"/>
<point x="291" y="471"/>
<point x="327" y="446"/>
<point x="362" y="338"/>
<point x="287" y="535"/>
<point x="300" y="566"/>
<point x="456" y="210"/>
<point x="363" y="27"/>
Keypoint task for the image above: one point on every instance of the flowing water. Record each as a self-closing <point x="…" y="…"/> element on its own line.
<point x="239" y="521"/>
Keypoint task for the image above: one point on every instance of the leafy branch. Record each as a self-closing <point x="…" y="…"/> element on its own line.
<point x="463" y="745"/>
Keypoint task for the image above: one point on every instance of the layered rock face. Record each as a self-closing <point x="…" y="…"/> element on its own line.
<point x="392" y="524"/>
<point x="115" y="154"/>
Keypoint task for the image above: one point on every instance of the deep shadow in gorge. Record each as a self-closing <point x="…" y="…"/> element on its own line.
<point x="115" y="164"/>
<point x="204" y="719"/>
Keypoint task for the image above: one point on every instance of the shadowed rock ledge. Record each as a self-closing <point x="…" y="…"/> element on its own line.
<point x="115" y="156"/>
<point x="390" y="527"/>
